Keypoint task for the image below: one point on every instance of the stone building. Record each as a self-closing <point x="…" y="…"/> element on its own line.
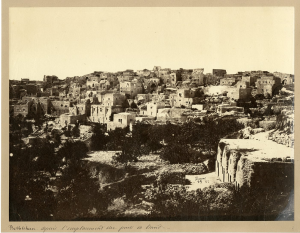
<point x="241" y="91"/>
<point x="32" y="89"/>
<point x="76" y="90"/>
<point x="197" y="77"/>
<point x="82" y="108"/>
<point x="210" y="79"/>
<point x="39" y="105"/>
<point x="58" y="107"/>
<point x="131" y="88"/>
<point x="112" y="80"/>
<point x="91" y="93"/>
<point x="143" y="72"/>
<point x="66" y="119"/>
<point x="113" y="99"/>
<point x="164" y="71"/>
<point x="268" y="85"/>
<point x="50" y="78"/>
<point x="93" y="82"/>
<point x="152" y="108"/>
<point x="153" y="85"/>
<point x="250" y="79"/>
<point x="185" y="98"/>
<point x="53" y="91"/>
<point x="103" y="114"/>
<point x="219" y="72"/>
<point x="161" y="97"/>
<point x="122" y="78"/>
<point x="121" y="120"/>
<point x="186" y="75"/>
<point x="284" y="78"/>
<point x="144" y="98"/>
<point x="170" y="79"/>
<point x="22" y="108"/>
<point x="228" y="81"/>
<point x="104" y="85"/>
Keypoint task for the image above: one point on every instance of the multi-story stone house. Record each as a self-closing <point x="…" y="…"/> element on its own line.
<point x="250" y="79"/>
<point x="121" y="120"/>
<point x="170" y="80"/>
<point x="113" y="99"/>
<point x="93" y="82"/>
<point x="185" y="98"/>
<point x="104" y="114"/>
<point x="152" y="108"/>
<point x="131" y="88"/>
<point x="22" y="108"/>
<point x="268" y="85"/>
<point x="58" y="107"/>
<point x="82" y="108"/>
<point x="241" y="91"/>
<point x="197" y="77"/>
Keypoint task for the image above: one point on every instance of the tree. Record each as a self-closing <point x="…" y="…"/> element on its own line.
<point x="154" y="138"/>
<point x="75" y="132"/>
<point x="79" y="194"/>
<point x="133" y="105"/>
<point x="175" y="153"/>
<point x="73" y="151"/>
<point x="116" y="138"/>
<point x="199" y="204"/>
<point x="56" y="139"/>
<point x="29" y="198"/>
<point x="47" y="160"/>
<point x="99" y="139"/>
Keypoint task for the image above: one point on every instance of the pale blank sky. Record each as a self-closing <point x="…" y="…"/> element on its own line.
<point x="76" y="41"/>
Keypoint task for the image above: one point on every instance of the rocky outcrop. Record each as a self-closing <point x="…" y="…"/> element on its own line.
<point x="253" y="163"/>
<point x="248" y="132"/>
<point x="282" y="138"/>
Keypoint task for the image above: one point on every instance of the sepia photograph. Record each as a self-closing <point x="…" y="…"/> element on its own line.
<point x="151" y="114"/>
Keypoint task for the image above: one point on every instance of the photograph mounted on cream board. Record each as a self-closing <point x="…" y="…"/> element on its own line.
<point x="141" y="118"/>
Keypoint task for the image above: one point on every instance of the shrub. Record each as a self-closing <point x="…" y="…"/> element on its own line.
<point x="267" y="125"/>
<point x="175" y="153"/>
<point x="177" y="201"/>
<point x="195" y="169"/>
<point x="169" y="177"/>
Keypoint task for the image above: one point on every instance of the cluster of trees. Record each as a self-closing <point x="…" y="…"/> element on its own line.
<point x="215" y="203"/>
<point x="189" y="142"/>
<point x="49" y="184"/>
<point x="74" y="132"/>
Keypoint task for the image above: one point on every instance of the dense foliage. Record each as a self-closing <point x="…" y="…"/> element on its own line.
<point x="41" y="181"/>
<point x="177" y="201"/>
<point x="176" y="143"/>
<point x="217" y="202"/>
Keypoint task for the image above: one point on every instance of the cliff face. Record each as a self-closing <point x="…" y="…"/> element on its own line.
<point x="255" y="164"/>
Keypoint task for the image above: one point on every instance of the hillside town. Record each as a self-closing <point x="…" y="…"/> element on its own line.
<point x="153" y="144"/>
